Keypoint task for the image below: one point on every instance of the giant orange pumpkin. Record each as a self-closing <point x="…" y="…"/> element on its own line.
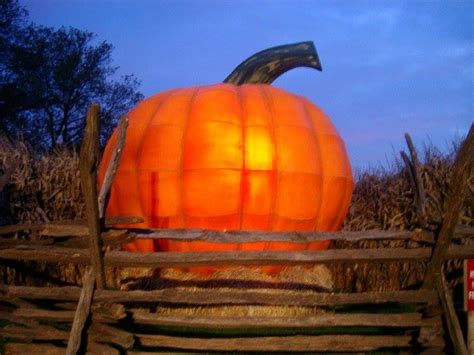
<point x="229" y="157"/>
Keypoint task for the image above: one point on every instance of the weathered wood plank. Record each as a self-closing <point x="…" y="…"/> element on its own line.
<point x="19" y="227"/>
<point x="181" y="259"/>
<point x="76" y="229"/>
<point x="113" y="165"/>
<point x="290" y="343"/>
<point x="452" y="320"/>
<point x="113" y="237"/>
<point x="177" y="259"/>
<point x="41" y="332"/>
<point x="462" y="231"/>
<point x="295" y="237"/>
<point x="53" y="254"/>
<point x="103" y="333"/>
<point x="107" y="311"/>
<point x="460" y="252"/>
<point x="97" y="333"/>
<point x="323" y="320"/>
<point x="99" y="315"/>
<point x="414" y="169"/>
<point x="113" y="220"/>
<point x="102" y="311"/>
<point x="82" y="313"/>
<point x="109" y="238"/>
<point x="22" y="349"/>
<point x="88" y="162"/>
<point x="61" y="230"/>
<point x="93" y="348"/>
<point x="225" y="296"/>
<point x="457" y="192"/>
<point x="6" y="243"/>
<point x="116" y="237"/>
<point x="26" y="321"/>
<point x="66" y="293"/>
<point x="268" y="297"/>
<point x="44" y="314"/>
<point x="64" y="230"/>
<point x="67" y="228"/>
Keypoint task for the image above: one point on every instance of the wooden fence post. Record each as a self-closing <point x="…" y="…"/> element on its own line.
<point x="113" y="165"/>
<point x="82" y="313"/>
<point x="452" y="321"/>
<point x="434" y="274"/>
<point x="89" y="157"/>
<point x="414" y="170"/>
<point x="455" y="199"/>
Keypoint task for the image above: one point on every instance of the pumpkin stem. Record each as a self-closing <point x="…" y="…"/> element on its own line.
<point x="265" y="66"/>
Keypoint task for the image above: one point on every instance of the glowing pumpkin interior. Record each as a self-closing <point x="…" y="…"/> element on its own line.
<point x="230" y="157"/>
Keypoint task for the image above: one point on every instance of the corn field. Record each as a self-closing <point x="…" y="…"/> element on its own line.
<point x="45" y="187"/>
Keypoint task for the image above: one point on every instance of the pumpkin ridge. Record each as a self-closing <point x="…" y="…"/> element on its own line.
<point x="269" y="103"/>
<point x="146" y="131"/>
<point x="318" y="153"/>
<point x="181" y="163"/>
<point x="138" y="159"/>
<point x="322" y="172"/>
<point x="240" y="96"/>
<point x="346" y="195"/>
<point x="144" y="242"/>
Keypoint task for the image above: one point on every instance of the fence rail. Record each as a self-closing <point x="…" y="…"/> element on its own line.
<point x="97" y="319"/>
<point x="117" y="258"/>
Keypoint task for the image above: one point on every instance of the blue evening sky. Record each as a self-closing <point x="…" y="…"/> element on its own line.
<point x="389" y="67"/>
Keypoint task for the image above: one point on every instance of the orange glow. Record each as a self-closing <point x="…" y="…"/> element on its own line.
<point x="259" y="152"/>
<point x="226" y="157"/>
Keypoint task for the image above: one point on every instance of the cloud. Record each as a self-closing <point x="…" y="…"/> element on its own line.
<point x="388" y="18"/>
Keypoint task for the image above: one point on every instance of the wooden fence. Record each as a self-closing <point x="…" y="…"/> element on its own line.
<point x="95" y="319"/>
